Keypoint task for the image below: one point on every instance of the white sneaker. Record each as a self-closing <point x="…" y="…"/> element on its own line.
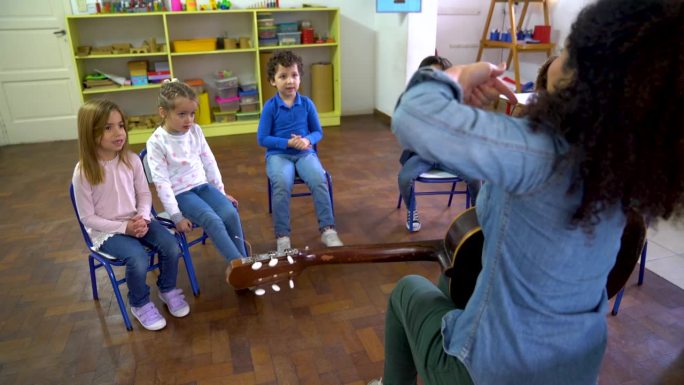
<point x="415" y="226"/>
<point x="330" y="238"/>
<point x="282" y="244"/>
<point x="376" y="381"/>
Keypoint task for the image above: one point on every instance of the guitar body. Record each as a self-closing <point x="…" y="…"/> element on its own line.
<point x="463" y="243"/>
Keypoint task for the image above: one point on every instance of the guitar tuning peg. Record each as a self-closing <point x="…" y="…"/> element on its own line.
<point x="275" y="287"/>
<point x="273" y="262"/>
<point x="290" y="260"/>
<point x="259" y="291"/>
<point x="256" y="265"/>
<point x="291" y="283"/>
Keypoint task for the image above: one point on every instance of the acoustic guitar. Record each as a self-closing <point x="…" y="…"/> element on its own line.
<point x="459" y="255"/>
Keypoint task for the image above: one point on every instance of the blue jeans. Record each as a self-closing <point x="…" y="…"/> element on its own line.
<point x="133" y="252"/>
<point x="208" y="207"/>
<point x="413" y="167"/>
<point x="280" y="169"/>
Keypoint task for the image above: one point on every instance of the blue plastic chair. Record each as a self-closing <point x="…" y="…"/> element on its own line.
<point x="202" y="238"/>
<point x="98" y="259"/>
<point x="435" y="176"/>
<point x="298" y="180"/>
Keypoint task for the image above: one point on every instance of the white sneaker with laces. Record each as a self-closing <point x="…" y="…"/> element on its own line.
<point x="416" y="221"/>
<point x="376" y="381"/>
<point x="330" y="238"/>
<point x="282" y="244"/>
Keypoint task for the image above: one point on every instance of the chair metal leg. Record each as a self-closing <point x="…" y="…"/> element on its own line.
<point x="618" y="299"/>
<point x="330" y="192"/>
<point x="451" y="195"/>
<point x="187" y="261"/>
<point x="399" y="202"/>
<point x="93" y="278"/>
<point x="117" y="293"/>
<point x="270" y="207"/>
<point x="642" y="264"/>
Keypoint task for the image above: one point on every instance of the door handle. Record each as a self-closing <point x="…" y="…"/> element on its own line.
<point x="60" y="33"/>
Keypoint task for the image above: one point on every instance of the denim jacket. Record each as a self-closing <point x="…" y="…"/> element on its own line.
<point x="537" y="315"/>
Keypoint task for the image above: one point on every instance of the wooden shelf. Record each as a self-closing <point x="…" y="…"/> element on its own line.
<point x="247" y="64"/>
<point x="514" y="46"/>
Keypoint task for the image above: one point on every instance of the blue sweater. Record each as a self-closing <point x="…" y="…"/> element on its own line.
<point x="279" y="122"/>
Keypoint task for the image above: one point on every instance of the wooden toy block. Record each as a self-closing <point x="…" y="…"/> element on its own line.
<point x="121" y="48"/>
<point x="104" y="50"/>
<point x="83" y="50"/>
<point x="143" y="49"/>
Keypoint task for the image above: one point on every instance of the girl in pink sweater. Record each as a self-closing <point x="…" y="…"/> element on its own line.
<point x="114" y="203"/>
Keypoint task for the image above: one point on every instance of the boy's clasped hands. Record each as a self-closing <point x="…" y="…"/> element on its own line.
<point x="299" y="142"/>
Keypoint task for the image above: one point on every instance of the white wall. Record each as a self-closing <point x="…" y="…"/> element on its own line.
<point x="460" y="24"/>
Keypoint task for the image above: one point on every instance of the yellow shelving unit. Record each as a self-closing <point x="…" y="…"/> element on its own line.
<point x="514" y="46"/>
<point x="165" y="27"/>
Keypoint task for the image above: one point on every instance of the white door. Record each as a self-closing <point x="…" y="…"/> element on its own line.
<point x="39" y="97"/>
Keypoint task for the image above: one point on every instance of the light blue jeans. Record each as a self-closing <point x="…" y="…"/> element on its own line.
<point x="280" y="169"/>
<point x="133" y="252"/>
<point x="209" y="208"/>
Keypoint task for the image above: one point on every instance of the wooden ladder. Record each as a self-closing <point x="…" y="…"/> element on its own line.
<point x="514" y="46"/>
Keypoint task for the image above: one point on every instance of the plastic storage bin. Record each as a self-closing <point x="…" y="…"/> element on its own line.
<point x="249" y="85"/>
<point x="251" y="96"/>
<point x="228" y="104"/>
<point x="287" y="27"/>
<point x="247" y="116"/>
<point x="197" y="85"/>
<point x="227" y="87"/>
<point x="268" y="42"/>
<point x="289" y="38"/>
<point x="249" y="107"/>
<point x="265" y="22"/>
<point x="267" y="32"/>
<point x="224" y="116"/>
<point x="194" y="45"/>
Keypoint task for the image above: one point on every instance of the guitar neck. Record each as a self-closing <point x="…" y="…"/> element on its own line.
<point x="243" y="276"/>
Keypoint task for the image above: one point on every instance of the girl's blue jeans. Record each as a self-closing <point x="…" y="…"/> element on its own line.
<point x="280" y="169"/>
<point x="209" y="208"/>
<point x="133" y="251"/>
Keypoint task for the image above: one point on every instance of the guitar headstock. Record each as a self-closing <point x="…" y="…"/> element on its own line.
<point x="267" y="269"/>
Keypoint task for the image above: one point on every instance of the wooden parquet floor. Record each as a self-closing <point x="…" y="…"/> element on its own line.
<point x="328" y="330"/>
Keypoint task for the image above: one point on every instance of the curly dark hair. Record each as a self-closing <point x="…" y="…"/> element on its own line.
<point x="435" y="60"/>
<point x="620" y="108"/>
<point x="285" y="59"/>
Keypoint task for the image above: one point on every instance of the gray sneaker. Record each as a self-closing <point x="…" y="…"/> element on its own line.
<point x="376" y="381"/>
<point x="415" y="224"/>
<point x="330" y="238"/>
<point x="282" y="244"/>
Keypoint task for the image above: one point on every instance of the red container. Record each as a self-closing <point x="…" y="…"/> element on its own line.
<point x="542" y="33"/>
<point x="307" y="36"/>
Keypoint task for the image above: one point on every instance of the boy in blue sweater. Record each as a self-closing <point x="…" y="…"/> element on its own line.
<point x="289" y="128"/>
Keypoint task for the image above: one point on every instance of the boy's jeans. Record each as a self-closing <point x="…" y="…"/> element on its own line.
<point x="280" y="169"/>
<point x="132" y="251"/>
<point x="209" y="208"/>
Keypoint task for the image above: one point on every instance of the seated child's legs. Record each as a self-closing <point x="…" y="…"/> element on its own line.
<point x="413" y="167"/>
<point x="311" y="171"/>
<point x="194" y="207"/>
<point x="280" y="171"/>
<point x="133" y="253"/>
<point x="160" y="238"/>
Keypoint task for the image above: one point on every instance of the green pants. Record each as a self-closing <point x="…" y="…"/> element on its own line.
<point x="413" y="336"/>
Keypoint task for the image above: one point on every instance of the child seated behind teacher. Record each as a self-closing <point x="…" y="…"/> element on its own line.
<point x="114" y="202"/>
<point x="412" y="165"/>
<point x="289" y="129"/>
<point x="187" y="177"/>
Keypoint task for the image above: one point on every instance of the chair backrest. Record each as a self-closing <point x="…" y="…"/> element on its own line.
<point x="86" y="236"/>
<point x="146" y="165"/>
<point x="631" y="244"/>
